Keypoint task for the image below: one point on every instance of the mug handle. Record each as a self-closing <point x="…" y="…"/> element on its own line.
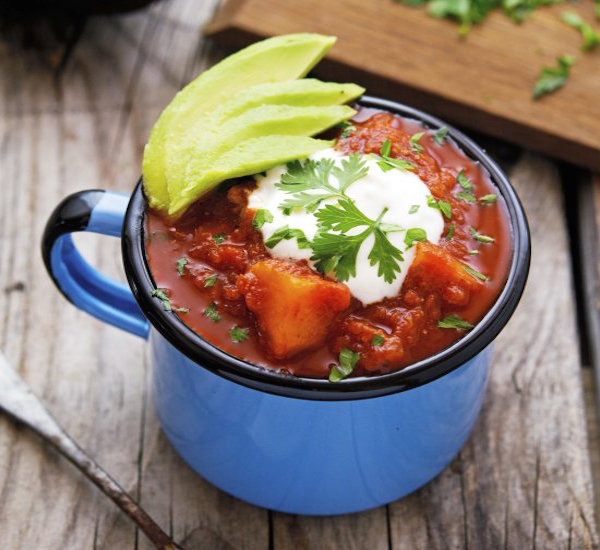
<point x="101" y="212"/>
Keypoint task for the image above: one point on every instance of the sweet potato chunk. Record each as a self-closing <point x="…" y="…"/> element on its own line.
<point x="293" y="305"/>
<point x="435" y="270"/>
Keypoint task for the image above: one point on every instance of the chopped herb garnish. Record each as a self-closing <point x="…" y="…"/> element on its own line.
<point x="285" y="234"/>
<point x="335" y="250"/>
<point x="440" y="136"/>
<point x="347" y="129"/>
<point x="464" y="181"/>
<point x="303" y="178"/>
<point x="450" y="233"/>
<point x="488" y="199"/>
<point x="219" y="238"/>
<point x="454" y="321"/>
<point x="286" y="211"/>
<point x="475" y="273"/>
<point x="414" y="142"/>
<point x="238" y="334"/>
<point x="552" y="78"/>
<point x="387" y="163"/>
<point x="347" y="362"/>
<point x="591" y="37"/>
<point x="181" y="263"/>
<point x="481" y="237"/>
<point x="414" y="234"/>
<point x="473" y="252"/>
<point x="261" y="217"/>
<point x="466" y="196"/>
<point x="212" y="312"/>
<point x="377" y="341"/>
<point x="161" y="294"/>
<point x="413" y="209"/>
<point x="210" y="281"/>
<point x="441" y="205"/>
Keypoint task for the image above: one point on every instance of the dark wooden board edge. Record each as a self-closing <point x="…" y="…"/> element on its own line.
<point x="229" y="33"/>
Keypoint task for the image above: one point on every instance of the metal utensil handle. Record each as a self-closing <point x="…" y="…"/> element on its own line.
<point x="17" y="399"/>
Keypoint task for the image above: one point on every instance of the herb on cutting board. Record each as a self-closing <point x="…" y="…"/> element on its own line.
<point x="590" y="36"/>
<point x="553" y="78"/>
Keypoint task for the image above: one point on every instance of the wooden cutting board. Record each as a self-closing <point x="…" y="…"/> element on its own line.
<point x="482" y="82"/>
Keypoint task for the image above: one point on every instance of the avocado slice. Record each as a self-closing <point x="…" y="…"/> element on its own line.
<point x="210" y="143"/>
<point x="247" y="157"/>
<point x="272" y="60"/>
<point x="305" y="92"/>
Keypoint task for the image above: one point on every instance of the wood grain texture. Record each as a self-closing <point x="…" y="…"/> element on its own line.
<point x="482" y="82"/>
<point x="522" y="481"/>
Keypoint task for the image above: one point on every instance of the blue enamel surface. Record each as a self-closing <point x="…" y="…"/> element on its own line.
<point x="90" y="290"/>
<point x="313" y="457"/>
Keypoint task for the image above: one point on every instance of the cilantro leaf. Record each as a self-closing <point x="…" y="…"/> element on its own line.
<point x="481" y="237"/>
<point x="386" y="255"/>
<point x="591" y="37"/>
<point x="377" y="341"/>
<point x="413" y="235"/>
<point x="475" y="273"/>
<point x="450" y="232"/>
<point x="414" y="142"/>
<point x="464" y="181"/>
<point x="454" y="321"/>
<point x="387" y="163"/>
<point x="553" y="78"/>
<point x="347" y="129"/>
<point x="466" y="196"/>
<point x="441" y="205"/>
<point x="219" y="238"/>
<point x="337" y="253"/>
<point x="347" y="362"/>
<point x="440" y="136"/>
<point x="181" y="263"/>
<point x="286" y="233"/>
<point x="488" y="199"/>
<point x="353" y="168"/>
<point x="210" y="281"/>
<point x="413" y="209"/>
<point x="212" y="312"/>
<point x="342" y="216"/>
<point x="238" y="334"/>
<point x="261" y="217"/>
<point x="162" y="295"/>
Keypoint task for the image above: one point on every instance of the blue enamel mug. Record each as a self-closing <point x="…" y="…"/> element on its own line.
<point x="291" y="444"/>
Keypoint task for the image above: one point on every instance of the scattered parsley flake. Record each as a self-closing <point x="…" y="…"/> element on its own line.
<point x="238" y="334"/>
<point x="450" y="232"/>
<point x="413" y="209"/>
<point x="464" y="181"/>
<point x="440" y="136"/>
<point x="212" y="312"/>
<point x="347" y="129"/>
<point x="377" y="341"/>
<point x="441" y="205"/>
<point x="481" y="237"/>
<point x="161" y="294"/>
<point x="285" y="211"/>
<point x="454" y="321"/>
<point x="553" y="78"/>
<point x="414" y="142"/>
<point x="286" y="233"/>
<point x="473" y="252"/>
<point x="347" y="362"/>
<point x="387" y="163"/>
<point x="591" y="37"/>
<point x="475" y="273"/>
<point x="488" y="199"/>
<point x="466" y="196"/>
<point x="181" y="263"/>
<point x="219" y="238"/>
<point x="261" y="217"/>
<point x="210" y="281"/>
<point x="414" y="234"/>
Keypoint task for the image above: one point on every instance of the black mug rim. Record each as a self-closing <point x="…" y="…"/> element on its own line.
<point x="209" y="356"/>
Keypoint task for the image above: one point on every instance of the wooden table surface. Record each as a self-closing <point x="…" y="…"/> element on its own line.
<point x="524" y="477"/>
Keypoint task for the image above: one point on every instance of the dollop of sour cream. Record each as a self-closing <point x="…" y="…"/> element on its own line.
<point x="404" y="195"/>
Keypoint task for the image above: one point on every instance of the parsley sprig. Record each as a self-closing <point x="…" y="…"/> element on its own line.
<point x="347" y="362"/>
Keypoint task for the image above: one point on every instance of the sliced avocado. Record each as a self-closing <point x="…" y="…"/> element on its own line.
<point x="261" y="121"/>
<point x="247" y="157"/>
<point x="305" y="92"/>
<point x="275" y="59"/>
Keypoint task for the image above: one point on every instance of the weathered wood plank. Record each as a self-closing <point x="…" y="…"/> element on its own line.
<point x="523" y="480"/>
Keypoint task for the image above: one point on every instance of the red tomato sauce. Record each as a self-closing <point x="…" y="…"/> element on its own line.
<point x="220" y="247"/>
